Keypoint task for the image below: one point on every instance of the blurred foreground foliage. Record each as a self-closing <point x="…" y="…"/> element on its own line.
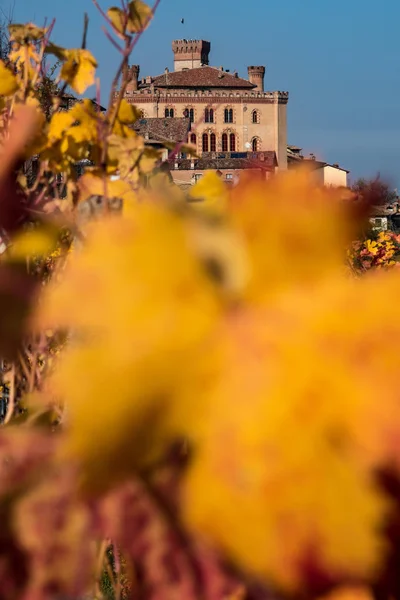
<point x="203" y="397"/>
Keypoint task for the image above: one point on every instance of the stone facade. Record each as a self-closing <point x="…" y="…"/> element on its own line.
<point x="227" y="113"/>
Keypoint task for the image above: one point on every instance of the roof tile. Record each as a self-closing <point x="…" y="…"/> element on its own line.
<point x="201" y="77"/>
<point x="163" y="130"/>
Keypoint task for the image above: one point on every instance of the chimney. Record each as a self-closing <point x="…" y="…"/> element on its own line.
<point x="190" y="54"/>
<point x="133" y="78"/>
<point x="256" y="77"/>
<point x="166" y="70"/>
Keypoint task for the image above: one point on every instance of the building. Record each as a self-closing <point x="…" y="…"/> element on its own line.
<point x="228" y="114"/>
<point x="163" y="134"/>
<point x="186" y="172"/>
<point x="322" y="173"/>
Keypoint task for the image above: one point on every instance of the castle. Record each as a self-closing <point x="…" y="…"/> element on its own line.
<point x="227" y="114"/>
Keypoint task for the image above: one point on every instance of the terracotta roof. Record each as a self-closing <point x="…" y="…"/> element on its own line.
<point x="163" y="130"/>
<point x="203" y="164"/>
<point x="201" y="77"/>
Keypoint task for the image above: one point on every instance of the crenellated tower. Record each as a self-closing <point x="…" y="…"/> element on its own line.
<point x="190" y="54"/>
<point x="256" y="76"/>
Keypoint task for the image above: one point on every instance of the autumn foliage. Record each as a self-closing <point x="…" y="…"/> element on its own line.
<point x="203" y="397"/>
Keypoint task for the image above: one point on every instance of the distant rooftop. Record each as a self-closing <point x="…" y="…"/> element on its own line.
<point x="163" y="130"/>
<point x="200" y="77"/>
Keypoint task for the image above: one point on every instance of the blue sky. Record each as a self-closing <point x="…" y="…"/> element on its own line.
<point x="338" y="60"/>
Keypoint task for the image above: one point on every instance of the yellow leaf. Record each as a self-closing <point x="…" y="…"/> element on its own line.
<point x="94" y="184"/>
<point x="140" y="15"/>
<point x="60" y="122"/>
<point x="8" y="81"/>
<point x="59" y="52"/>
<point x="127" y="113"/>
<point x="185" y="148"/>
<point x="142" y="273"/>
<point x="37" y="242"/>
<point x="117" y="18"/>
<point x="212" y="193"/>
<point x="25" y="33"/>
<point x="79" y="69"/>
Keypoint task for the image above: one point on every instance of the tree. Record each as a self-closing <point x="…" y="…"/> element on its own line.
<point x="375" y="191"/>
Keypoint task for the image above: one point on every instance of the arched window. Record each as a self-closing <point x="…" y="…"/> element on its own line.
<point x="228" y="115"/>
<point x="256" y="144"/>
<point x="191" y="115"/>
<point x="232" y="142"/>
<point x="166" y="113"/>
<point x="169" y="112"/>
<point x="193" y="138"/>
<point x="213" y="143"/>
<point x="224" y="142"/>
<point x="209" y="115"/>
<point x="205" y="142"/>
<point x="186" y="113"/>
<point x="255" y="116"/>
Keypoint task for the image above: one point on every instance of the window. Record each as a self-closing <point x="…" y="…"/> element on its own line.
<point x="255" y="116"/>
<point x="169" y="113"/>
<point x="186" y="113"/>
<point x="224" y="142"/>
<point x="205" y="142"/>
<point x="209" y="115"/>
<point x="228" y="114"/>
<point x="254" y="145"/>
<point x="191" y="115"/>
<point x="193" y="138"/>
<point x="229" y="176"/>
<point x="213" y="143"/>
<point x="232" y="142"/>
<point x="198" y="176"/>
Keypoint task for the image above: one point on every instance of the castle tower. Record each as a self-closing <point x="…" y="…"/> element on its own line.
<point x="190" y="54"/>
<point x="256" y="76"/>
<point x="133" y="78"/>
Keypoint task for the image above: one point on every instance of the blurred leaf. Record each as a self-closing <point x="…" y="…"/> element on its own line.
<point x="128" y="113"/>
<point x="8" y="81"/>
<point x="211" y="193"/>
<point x="38" y="242"/>
<point x="25" y="33"/>
<point x="79" y="69"/>
<point x="94" y="184"/>
<point x="57" y="51"/>
<point x="118" y="18"/>
<point x="140" y="15"/>
<point x="184" y="148"/>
